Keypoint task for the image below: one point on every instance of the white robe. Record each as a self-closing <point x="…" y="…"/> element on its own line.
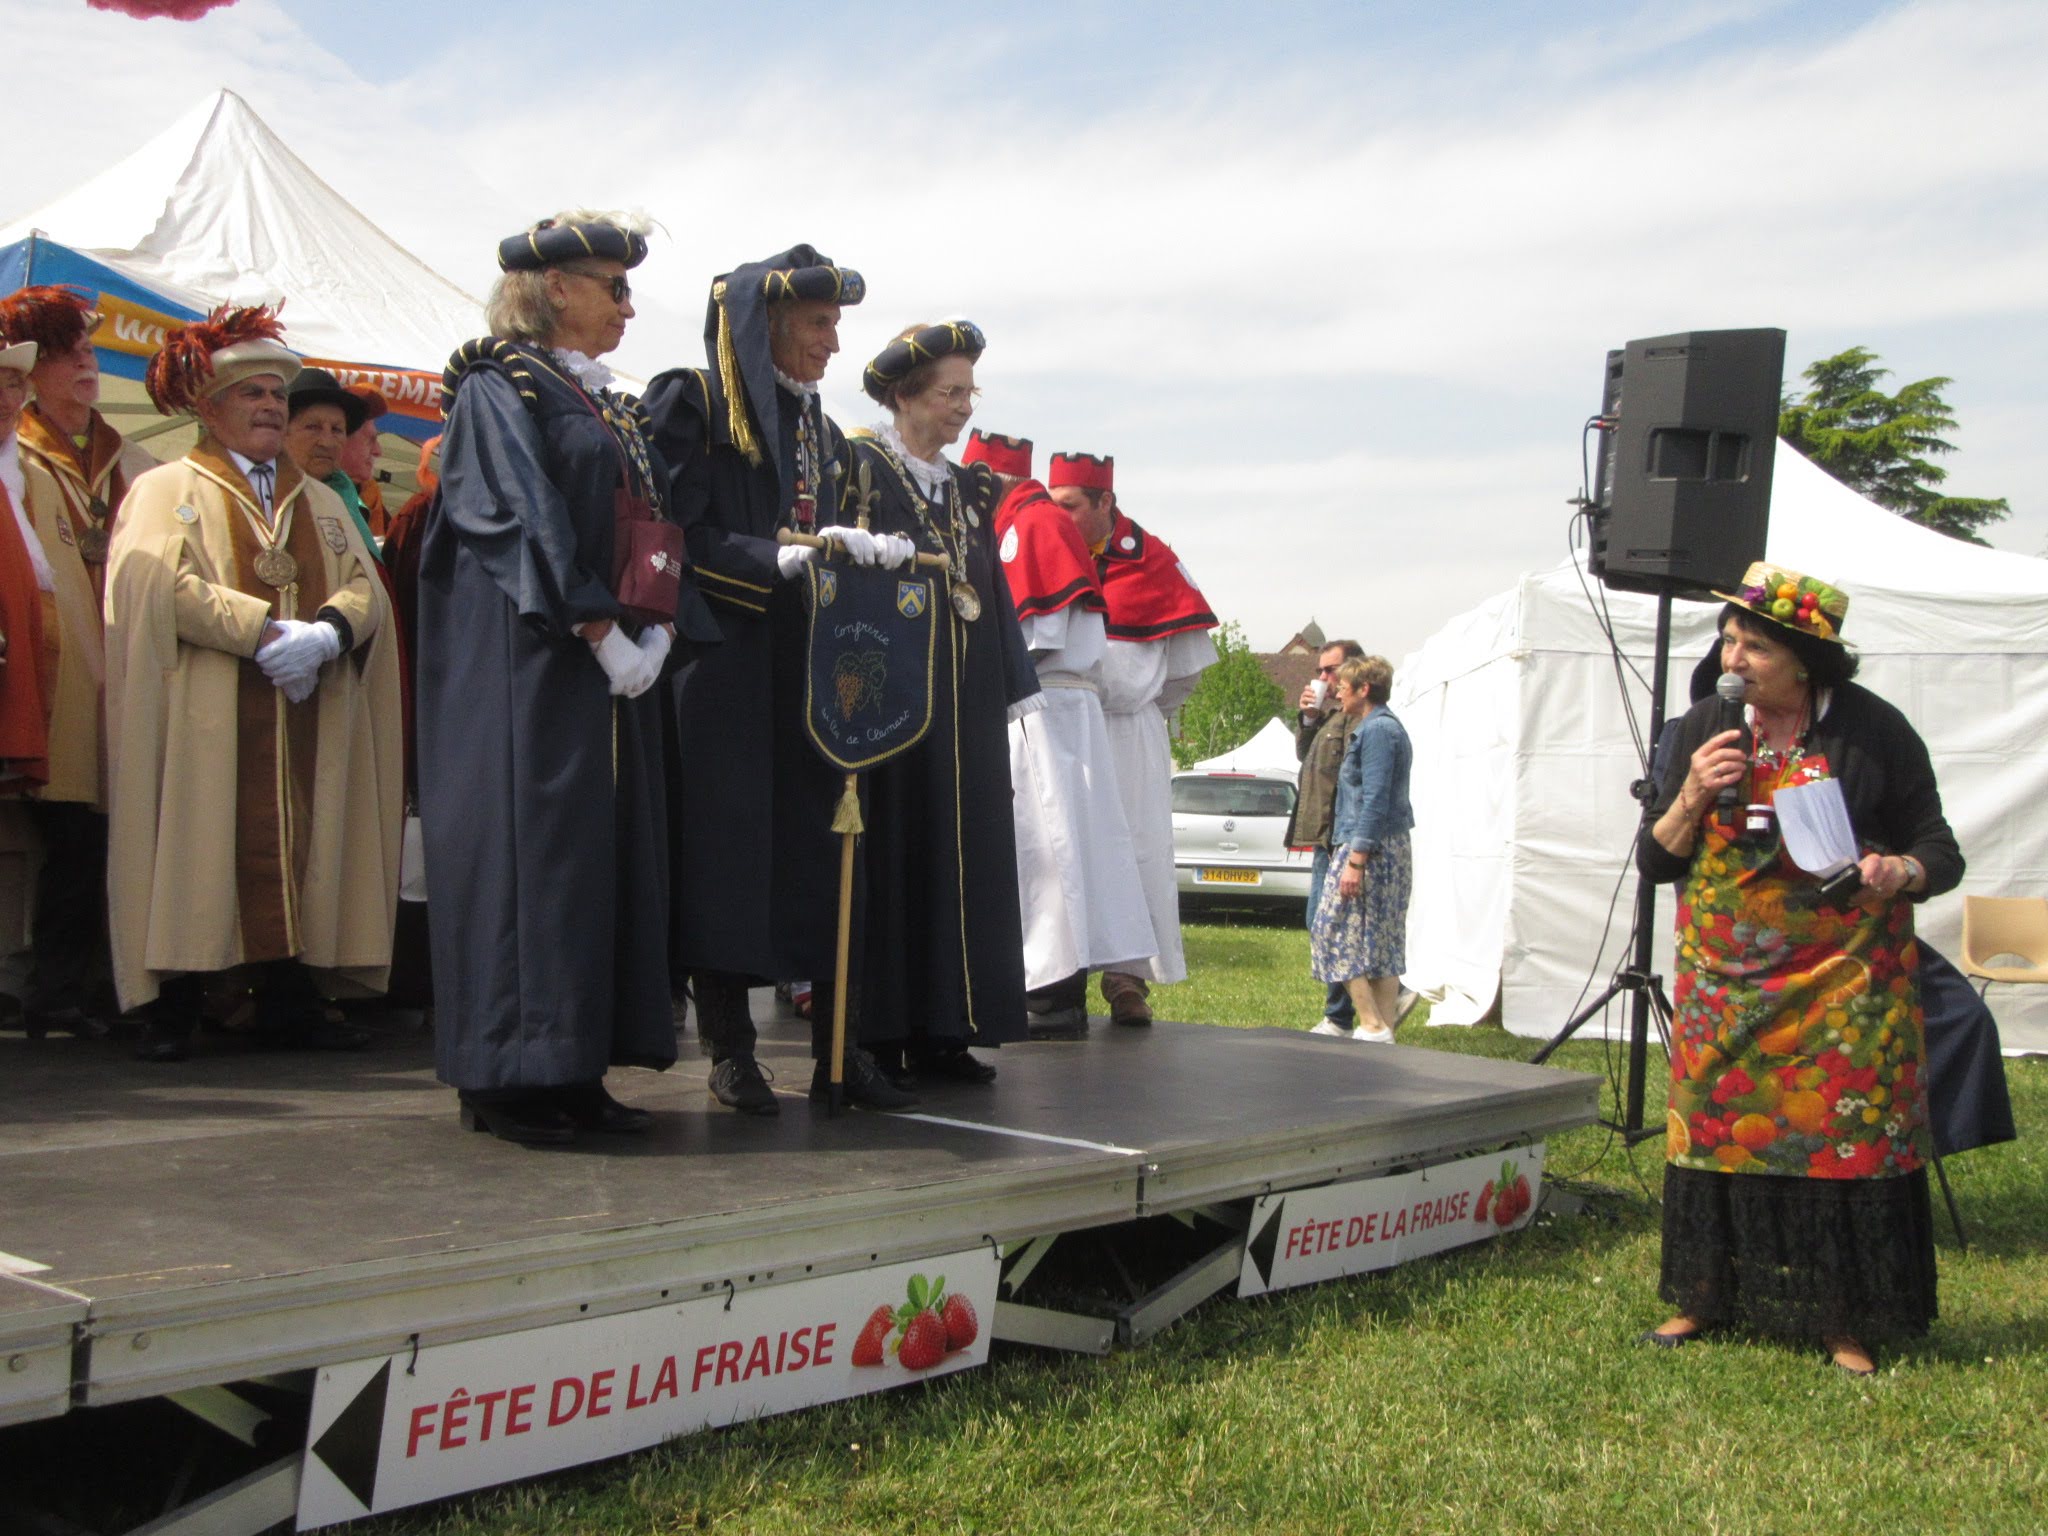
<point x="1077" y="870"/>
<point x="1143" y="682"/>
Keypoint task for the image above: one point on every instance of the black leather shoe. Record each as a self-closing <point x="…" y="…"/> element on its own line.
<point x="1668" y="1340"/>
<point x="739" y="1083"/>
<point x="956" y="1066"/>
<point x="864" y="1086"/>
<point x="1058" y="1024"/>
<point x="592" y="1109"/>
<point x="529" y="1119"/>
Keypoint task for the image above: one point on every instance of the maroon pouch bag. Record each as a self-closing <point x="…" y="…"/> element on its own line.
<point x="648" y="561"/>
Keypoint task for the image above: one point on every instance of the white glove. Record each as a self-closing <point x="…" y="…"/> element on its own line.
<point x="293" y="660"/>
<point x="790" y="560"/>
<point x="624" y="663"/>
<point x="893" y="550"/>
<point x="861" y="546"/>
<point x="654" y="644"/>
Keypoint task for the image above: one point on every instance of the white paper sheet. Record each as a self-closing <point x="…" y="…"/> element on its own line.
<point x="1814" y="821"/>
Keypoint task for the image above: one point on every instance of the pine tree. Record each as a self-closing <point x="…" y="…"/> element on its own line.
<point x="1878" y="444"/>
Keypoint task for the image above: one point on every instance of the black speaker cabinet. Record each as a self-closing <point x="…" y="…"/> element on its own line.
<point x="1683" y="491"/>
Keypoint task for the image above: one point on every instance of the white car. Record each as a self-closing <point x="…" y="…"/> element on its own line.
<point x="1230" y="836"/>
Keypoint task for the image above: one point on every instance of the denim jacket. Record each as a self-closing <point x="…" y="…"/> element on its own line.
<point x="1372" y="786"/>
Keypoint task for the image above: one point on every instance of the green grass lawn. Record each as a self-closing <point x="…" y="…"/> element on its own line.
<point x="1493" y="1389"/>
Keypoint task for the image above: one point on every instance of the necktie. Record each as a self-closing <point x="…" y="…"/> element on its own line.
<point x="260" y="477"/>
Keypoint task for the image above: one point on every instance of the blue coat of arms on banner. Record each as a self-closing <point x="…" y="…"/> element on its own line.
<point x="868" y="663"/>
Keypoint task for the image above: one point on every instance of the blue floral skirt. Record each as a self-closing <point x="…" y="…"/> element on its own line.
<point x="1367" y="935"/>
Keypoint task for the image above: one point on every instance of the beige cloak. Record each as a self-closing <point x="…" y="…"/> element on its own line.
<point x="243" y="828"/>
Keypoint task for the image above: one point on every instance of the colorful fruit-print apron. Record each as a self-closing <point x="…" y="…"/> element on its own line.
<point x="1796" y="1036"/>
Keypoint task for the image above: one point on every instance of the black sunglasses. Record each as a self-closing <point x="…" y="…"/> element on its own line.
<point x="621" y="289"/>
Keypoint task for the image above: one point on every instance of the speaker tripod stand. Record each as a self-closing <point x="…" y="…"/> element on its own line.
<point x="1637" y="981"/>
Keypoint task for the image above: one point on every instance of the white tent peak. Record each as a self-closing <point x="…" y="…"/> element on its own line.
<point x="1270" y="750"/>
<point x="217" y="209"/>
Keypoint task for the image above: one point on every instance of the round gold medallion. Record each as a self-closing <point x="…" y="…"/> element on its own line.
<point x="275" y="567"/>
<point x="92" y="546"/>
<point x="966" y="601"/>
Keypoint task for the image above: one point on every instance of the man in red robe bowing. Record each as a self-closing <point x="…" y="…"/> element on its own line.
<point x="1077" y="871"/>
<point x="1158" y="625"/>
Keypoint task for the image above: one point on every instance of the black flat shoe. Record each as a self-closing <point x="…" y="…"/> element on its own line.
<point x="739" y="1083"/>
<point x="960" y="1066"/>
<point x="592" y="1109"/>
<point x="528" y="1120"/>
<point x="864" y="1086"/>
<point x="1668" y="1340"/>
<point x="1057" y="1024"/>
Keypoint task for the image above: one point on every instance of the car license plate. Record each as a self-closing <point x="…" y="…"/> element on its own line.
<point x="1227" y="876"/>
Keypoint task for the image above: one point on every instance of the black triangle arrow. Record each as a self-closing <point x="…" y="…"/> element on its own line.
<point x="1264" y="1244"/>
<point x="352" y="1442"/>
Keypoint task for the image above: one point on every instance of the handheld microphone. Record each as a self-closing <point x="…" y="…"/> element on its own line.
<point x="1730" y="690"/>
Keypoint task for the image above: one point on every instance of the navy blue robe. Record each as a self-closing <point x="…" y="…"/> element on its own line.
<point x="942" y="946"/>
<point x="541" y="796"/>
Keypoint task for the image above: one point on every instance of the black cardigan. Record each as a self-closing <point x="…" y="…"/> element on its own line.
<point x="1885" y="774"/>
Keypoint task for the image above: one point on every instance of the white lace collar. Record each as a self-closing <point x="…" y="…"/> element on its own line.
<point x="587" y="371"/>
<point x="932" y="475"/>
<point x="794" y="386"/>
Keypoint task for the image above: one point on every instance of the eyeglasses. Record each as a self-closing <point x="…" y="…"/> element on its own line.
<point x="621" y="289"/>
<point x="1321" y="671"/>
<point x="957" y="394"/>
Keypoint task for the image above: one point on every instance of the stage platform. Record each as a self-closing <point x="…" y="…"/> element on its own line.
<point x="248" y="1214"/>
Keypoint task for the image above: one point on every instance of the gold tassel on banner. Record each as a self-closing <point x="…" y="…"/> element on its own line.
<point x="729" y="378"/>
<point x="846" y="814"/>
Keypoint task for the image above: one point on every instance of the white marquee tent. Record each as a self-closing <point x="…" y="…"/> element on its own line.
<point x="216" y="209"/>
<point x="1523" y="757"/>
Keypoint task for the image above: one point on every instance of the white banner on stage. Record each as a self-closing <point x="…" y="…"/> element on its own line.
<point x="1306" y="1235"/>
<point x="404" y="1428"/>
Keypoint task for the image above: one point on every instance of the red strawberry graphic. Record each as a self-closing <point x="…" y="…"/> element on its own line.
<point x="924" y="1342"/>
<point x="962" y="1326"/>
<point x="867" y="1349"/>
<point x="1485" y="1204"/>
<point x="1511" y="1198"/>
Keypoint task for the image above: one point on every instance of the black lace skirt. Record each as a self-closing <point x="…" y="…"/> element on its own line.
<point x="1800" y="1258"/>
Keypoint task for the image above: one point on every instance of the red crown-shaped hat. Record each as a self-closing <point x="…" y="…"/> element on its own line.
<point x="1004" y="455"/>
<point x="1091" y="472"/>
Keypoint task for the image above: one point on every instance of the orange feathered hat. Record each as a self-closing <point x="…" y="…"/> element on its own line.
<point x="55" y="318"/>
<point x="202" y="359"/>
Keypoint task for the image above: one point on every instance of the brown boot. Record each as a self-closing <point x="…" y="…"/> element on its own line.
<point x="1126" y="996"/>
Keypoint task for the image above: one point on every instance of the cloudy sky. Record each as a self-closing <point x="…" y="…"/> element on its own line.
<point x="1334" y="282"/>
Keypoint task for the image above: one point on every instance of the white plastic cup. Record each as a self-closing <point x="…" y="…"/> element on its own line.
<point x="1319" y="690"/>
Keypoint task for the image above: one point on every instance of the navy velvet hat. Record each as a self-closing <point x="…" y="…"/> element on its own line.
<point x="927" y="345"/>
<point x="551" y="243"/>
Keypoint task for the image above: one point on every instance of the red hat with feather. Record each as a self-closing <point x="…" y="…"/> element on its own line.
<point x="55" y="318"/>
